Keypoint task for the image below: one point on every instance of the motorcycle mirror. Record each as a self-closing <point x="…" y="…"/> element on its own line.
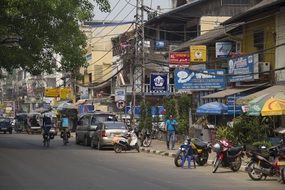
<point x="263" y="147"/>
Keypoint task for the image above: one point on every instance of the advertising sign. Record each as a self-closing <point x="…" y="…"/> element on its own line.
<point x="159" y="82"/>
<point x="65" y="93"/>
<point x="223" y="49"/>
<point x="206" y="79"/>
<point x="9" y="108"/>
<point x="51" y="92"/>
<point x="83" y="92"/>
<point x="179" y="59"/>
<point x="241" y="69"/>
<point x="160" y="45"/>
<point x="120" y="94"/>
<point x="198" y="54"/>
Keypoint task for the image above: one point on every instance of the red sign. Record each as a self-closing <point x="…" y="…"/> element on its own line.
<point x="179" y="58"/>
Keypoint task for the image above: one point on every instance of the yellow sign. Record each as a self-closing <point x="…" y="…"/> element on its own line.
<point x="65" y="93"/>
<point x="51" y="92"/>
<point x="198" y="53"/>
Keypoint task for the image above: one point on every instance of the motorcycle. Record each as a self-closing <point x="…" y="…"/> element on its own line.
<point x="145" y="137"/>
<point x="126" y="143"/>
<point x="65" y="135"/>
<point x="201" y="152"/>
<point x="48" y="134"/>
<point x="227" y="155"/>
<point x="261" y="165"/>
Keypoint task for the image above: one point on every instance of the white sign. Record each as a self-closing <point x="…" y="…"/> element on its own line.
<point x="120" y="94"/>
<point x="120" y="104"/>
<point x="223" y="49"/>
<point x="83" y="92"/>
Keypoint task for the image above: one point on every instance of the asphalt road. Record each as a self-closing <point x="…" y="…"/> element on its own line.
<point x="26" y="165"/>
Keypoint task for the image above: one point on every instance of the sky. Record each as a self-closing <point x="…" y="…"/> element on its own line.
<point x="124" y="11"/>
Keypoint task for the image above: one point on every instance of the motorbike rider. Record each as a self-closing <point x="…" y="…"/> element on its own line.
<point x="64" y="127"/>
<point x="47" y="124"/>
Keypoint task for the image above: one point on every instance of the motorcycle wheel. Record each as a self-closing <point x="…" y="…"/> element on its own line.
<point x="282" y="174"/>
<point x="253" y="173"/>
<point x="147" y="142"/>
<point x="118" y="148"/>
<point x="64" y="139"/>
<point x="217" y="163"/>
<point x="202" y="159"/>
<point x="236" y="164"/>
<point x="178" y="159"/>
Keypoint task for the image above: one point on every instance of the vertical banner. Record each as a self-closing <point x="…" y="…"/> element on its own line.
<point x="198" y="54"/>
<point x="83" y="92"/>
<point x="159" y="82"/>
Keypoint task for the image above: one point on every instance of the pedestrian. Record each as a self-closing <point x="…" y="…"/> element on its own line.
<point x="171" y="124"/>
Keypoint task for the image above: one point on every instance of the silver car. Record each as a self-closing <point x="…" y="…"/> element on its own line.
<point x="105" y="132"/>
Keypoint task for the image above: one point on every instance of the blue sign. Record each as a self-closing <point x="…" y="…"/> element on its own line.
<point x="157" y="110"/>
<point x="159" y="82"/>
<point x="233" y="108"/>
<point x="203" y="79"/>
<point x="241" y="69"/>
<point x="137" y="110"/>
<point x="160" y="44"/>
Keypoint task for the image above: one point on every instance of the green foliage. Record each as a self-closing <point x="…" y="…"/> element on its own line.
<point x="145" y="118"/>
<point x="183" y="124"/>
<point x="246" y="130"/>
<point x="41" y="29"/>
<point x="169" y="106"/>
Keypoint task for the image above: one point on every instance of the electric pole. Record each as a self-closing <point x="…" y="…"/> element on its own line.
<point x="138" y="69"/>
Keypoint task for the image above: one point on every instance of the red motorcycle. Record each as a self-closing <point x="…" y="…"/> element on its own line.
<point x="227" y="155"/>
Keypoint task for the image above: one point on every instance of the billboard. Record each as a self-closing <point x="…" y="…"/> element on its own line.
<point x="177" y="59"/>
<point x="159" y="82"/>
<point x="198" y="54"/>
<point x="51" y="92"/>
<point x="206" y="79"/>
<point x="242" y="68"/>
<point x="223" y="49"/>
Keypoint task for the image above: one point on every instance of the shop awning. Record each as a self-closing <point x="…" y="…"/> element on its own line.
<point x="227" y="92"/>
<point x="271" y="90"/>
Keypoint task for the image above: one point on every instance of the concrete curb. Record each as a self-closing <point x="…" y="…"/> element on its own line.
<point x="172" y="155"/>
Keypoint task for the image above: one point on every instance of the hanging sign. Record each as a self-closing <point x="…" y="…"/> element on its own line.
<point x="198" y="54"/>
<point x="159" y="82"/>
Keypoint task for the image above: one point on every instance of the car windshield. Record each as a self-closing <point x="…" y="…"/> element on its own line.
<point x="115" y="126"/>
<point x="102" y="118"/>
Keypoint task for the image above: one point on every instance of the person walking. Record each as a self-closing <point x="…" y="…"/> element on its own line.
<point x="171" y="124"/>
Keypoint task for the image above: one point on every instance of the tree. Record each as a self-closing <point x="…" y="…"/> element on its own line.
<point x="33" y="31"/>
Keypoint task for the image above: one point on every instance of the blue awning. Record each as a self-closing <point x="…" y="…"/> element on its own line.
<point x="212" y="108"/>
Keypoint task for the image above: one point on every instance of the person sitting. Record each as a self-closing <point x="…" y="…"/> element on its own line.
<point x="47" y="125"/>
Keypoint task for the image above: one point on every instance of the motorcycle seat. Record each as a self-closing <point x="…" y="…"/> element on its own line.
<point x="200" y="145"/>
<point x="234" y="150"/>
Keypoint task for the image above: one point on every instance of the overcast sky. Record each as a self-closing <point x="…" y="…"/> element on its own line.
<point x="124" y="11"/>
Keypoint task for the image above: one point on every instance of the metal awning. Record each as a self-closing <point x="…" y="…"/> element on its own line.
<point x="271" y="90"/>
<point x="227" y="92"/>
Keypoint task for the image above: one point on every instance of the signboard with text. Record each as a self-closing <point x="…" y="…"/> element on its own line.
<point x="204" y="79"/>
<point x="177" y="59"/>
<point x="159" y="82"/>
<point x="120" y="94"/>
<point x="223" y="49"/>
<point x="198" y="53"/>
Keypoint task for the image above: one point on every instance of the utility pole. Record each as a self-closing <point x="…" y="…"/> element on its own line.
<point x="138" y="67"/>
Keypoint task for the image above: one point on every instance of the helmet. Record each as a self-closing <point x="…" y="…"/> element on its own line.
<point x="217" y="147"/>
<point x="187" y="140"/>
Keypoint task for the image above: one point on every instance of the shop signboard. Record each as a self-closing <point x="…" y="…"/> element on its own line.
<point x="120" y="94"/>
<point x="83" y="92"/>
<point x="51" y="92"/>
<point x="198" y="54"/>
<point x="179" y="59"/>
<point x="159" y="82"/>
<point x="242" y="68"/>
<point x="204" y="79"/>
<point x="65" y="93"/>
<point x="223" y="49"/>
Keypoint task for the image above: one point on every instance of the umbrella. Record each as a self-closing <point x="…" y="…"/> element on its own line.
<point x="255" y="105"/>
<point x="273" y="106"/>
<point x="66" y="105"/>
<point x="212" y="108"/>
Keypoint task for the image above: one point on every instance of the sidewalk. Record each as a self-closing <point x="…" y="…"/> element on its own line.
<point x="159" y="148"/>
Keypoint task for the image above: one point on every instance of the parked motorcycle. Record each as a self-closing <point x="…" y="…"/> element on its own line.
<point x="261" y="166"/>
<point x="126" y="143"/>
<point x="227" y="155"/>
<point x="201" y="152"/>
<point x="145" y="137"/>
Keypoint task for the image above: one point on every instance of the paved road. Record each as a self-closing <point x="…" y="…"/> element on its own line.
<point x="26" y="165"/>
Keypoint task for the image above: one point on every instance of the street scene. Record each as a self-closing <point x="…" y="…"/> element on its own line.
<point x="142" y="94"/>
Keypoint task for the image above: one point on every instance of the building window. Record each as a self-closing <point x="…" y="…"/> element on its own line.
<point x="235" y="2"/>
<point x="90" y="77"/>
<point x="258" y="43"/>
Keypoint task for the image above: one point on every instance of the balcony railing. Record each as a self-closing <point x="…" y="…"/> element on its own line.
<point x="147" y="90"/>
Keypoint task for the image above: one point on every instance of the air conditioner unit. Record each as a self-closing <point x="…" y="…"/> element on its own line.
<point x="264" y="67"/>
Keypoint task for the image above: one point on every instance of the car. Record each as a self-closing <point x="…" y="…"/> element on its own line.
<point x="87" y="124"/>
<point x="5" y="125"/>
<point x="105" y="132"/>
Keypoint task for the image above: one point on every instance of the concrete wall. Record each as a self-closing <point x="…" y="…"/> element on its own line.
<point x="280" y="51"/>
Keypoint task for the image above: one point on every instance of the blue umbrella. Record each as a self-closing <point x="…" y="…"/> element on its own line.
<point x="212" y="108"/>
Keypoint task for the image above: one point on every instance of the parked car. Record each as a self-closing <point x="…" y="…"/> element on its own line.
<point x="105" y="133"/>
<point x="87" y="124"/>
<point x="6" y="125"/>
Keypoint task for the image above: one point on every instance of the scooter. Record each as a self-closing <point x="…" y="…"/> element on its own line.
<point x="260" y="165"/>
<point x="126" y="143"/>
